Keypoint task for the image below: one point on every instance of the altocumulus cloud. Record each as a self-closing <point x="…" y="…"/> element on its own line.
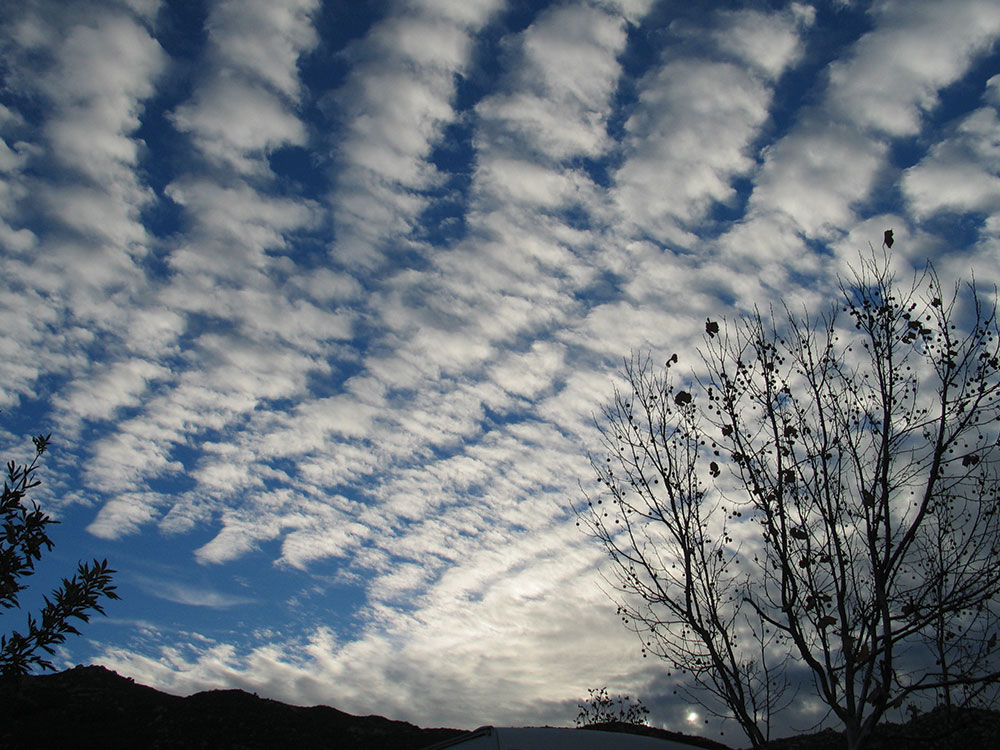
<point x="318" y="299"/>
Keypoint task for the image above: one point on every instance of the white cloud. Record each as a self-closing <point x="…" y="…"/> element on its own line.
<point x="73" y="176"/>
<point x="230" y="275"/>
<point x="237" y="223"/>
<point x="470" y="14"/>
<point x="631" y="10"/>
<point x="193" y="596"/>
<point x="992" y="95"/>
<point x="263" y="40"/>
<point x="242" y="110"/>
<point x="102" y="396"/>
<point x="529" y="373"/>
<point x="688" y="139"/>
<point x="691" y="132"/>
<point x="238" y="123"/>
<point x="769" y="43"/>
<point x="573" y="641"/>
<point x="812" y="179"/>
<point x="100" y="74"/>
<point x="145" y="9"/>
<point x="570" y="69"/>
<point x="556" y="105"/>
<point x="95" y="217"/>
<point x="894" y="73"/>
<point x="329" y="533"/>
<point x="240" y="535"/>
<point x="395" y="105"/>
<point x="960" y="173"/>
<point x="816" y="174"/>
<point x="308" y="428"/>
<point x="103" y="70"/>
<point x="153" y="331"/>
<point x="125" y="514"/>
<point x="430" y="43"/>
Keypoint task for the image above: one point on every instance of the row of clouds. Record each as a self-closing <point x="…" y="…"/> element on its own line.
<point x="425" y="423"/>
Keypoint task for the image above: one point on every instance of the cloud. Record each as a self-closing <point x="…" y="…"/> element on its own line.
<point x="97" y="80"/>
<point x="394" y="107"/>
<point x="815" y="174"/>
<point x="72" y="182"/>
<point x="894" y="73"/>
<point x="527" y="374"/>
<point x="235" y="230"/>
<point x="222" y="302"/>
<point x="813" y="178"/>
<point x="127" y="512"/>
<point x="770" y="43"/>
<point x="960" y="173"/>
<point x="192" y="596"/>
<point x="558" y="104"/>
<point x="103" y="396"/>
<point x="240" y="535"/>
<point x="100" y="76"/>
<point x="692" y="129"/>
<point x="242" y="109"/>
<point x="263" y="40"/>
<point x="238" y="124"/>
<point x="713" y="111"/>
<point x="401" y="668"/>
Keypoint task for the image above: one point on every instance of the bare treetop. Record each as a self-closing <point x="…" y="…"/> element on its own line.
<point x="819" y="501"/>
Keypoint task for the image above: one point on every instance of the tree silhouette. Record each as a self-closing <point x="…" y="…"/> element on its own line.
<point x="816" y="506"/>
<point x="24" y="537"/>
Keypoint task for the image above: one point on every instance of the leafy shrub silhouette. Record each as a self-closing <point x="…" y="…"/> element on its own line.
<point x="601" y="708"/>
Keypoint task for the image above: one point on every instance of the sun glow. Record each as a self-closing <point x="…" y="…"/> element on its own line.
<point x="692" y="717"/>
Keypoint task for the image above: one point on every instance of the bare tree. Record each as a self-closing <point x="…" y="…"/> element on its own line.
<point x="823" y="494"/>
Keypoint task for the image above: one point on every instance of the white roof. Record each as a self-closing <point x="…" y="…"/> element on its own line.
<point x="547" y="738"/>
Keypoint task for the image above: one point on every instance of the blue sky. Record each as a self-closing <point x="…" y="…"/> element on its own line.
<point x="318" y="299"/>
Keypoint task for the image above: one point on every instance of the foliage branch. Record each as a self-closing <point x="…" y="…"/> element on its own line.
<point x="25" y="538"/>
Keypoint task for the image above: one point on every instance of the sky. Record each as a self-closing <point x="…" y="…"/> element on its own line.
<point x="318" y="299"/>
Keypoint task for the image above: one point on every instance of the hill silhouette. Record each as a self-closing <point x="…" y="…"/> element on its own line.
<point x="940" y="729"/>
<point x="94" y="707"/>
